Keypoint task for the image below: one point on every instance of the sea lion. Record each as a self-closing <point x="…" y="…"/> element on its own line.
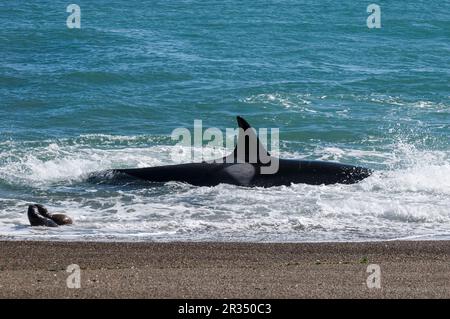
<point x="60" y="219"/>
<point x="38" y="215"/>
<point x="36" y="219"/>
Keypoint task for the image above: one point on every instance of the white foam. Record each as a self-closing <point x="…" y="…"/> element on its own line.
<point x="296" y="101"/>
<point x="409" y="198"/>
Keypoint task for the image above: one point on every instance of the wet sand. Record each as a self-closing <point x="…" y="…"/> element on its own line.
<point x="409" y="269"/>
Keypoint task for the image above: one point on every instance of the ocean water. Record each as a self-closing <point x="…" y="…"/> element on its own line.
<point x="108" y="95"/>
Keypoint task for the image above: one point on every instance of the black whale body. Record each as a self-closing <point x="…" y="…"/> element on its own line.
<point x="243" y="173"/>
<point x="246" y="174"/>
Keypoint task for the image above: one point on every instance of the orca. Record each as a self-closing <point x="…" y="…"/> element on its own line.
<point x="247" y="166"/>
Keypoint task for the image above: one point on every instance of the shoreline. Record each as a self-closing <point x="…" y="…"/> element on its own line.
<point x="117" y="240"/>
<point x="409" y="269"/>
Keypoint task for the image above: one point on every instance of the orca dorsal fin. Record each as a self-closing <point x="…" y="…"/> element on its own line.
<point x="248" y="147"/>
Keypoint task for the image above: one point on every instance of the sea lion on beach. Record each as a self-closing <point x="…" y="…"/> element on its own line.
<point x="36" y="219"/>
<point x="60" y="219"/>
<point x="38" y="215"/>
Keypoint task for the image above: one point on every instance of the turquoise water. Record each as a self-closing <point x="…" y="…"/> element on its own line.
<point x="74" y="101"/>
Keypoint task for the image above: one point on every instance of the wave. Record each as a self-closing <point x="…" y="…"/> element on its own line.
<point x="309" y="102"/>
<point x="72" y="159"/>
<point x="409" y="197"/>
